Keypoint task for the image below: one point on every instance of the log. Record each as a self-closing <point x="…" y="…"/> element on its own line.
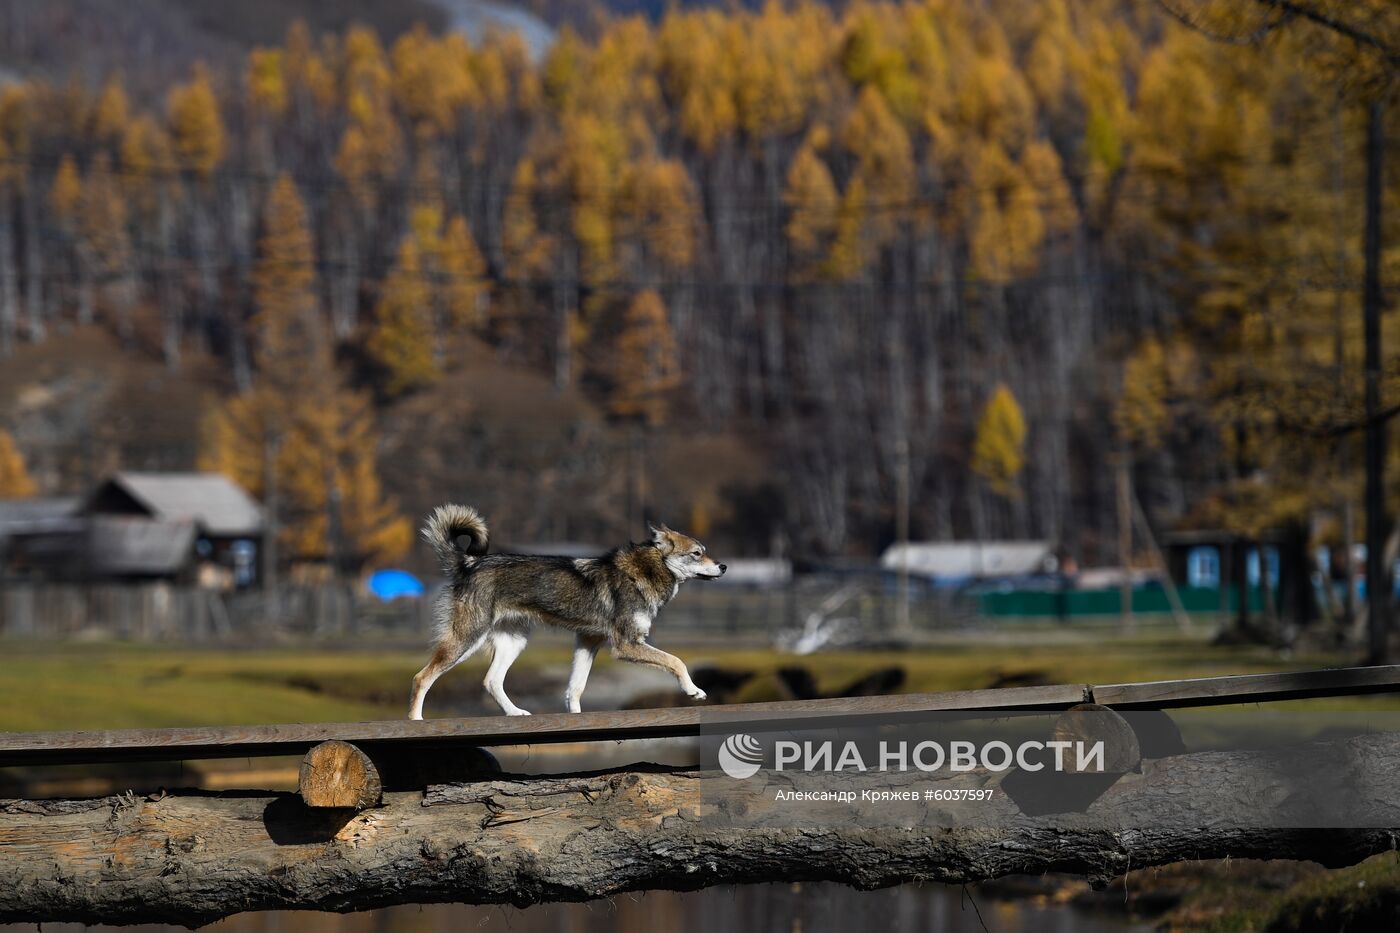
<point x="191" y="858"/>
<point x="336" y="774"/>
<point x="1046" y="791"/>
<point x="1091" y="722"/>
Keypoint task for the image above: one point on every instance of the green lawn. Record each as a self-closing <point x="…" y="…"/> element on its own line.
<point x="113" y="685"/>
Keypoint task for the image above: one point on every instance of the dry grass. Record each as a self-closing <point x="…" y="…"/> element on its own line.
<point x="113" y="685"/>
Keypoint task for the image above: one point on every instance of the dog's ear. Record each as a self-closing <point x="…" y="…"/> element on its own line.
<point x="659" y="534"/>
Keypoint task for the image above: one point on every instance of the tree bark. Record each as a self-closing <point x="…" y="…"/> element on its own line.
<point x="1377" y="573"/>
<point x="191" y="858"/>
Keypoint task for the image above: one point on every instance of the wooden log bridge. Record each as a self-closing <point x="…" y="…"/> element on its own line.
<point x="192" y="857"/>
<point x="405" y="736"/>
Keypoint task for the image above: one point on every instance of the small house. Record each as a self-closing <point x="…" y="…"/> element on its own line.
<point x="953" y="563"/>
<point x="39" y="537"/>
<point x="194" y="527"/>
<point x="1230" y="571"/>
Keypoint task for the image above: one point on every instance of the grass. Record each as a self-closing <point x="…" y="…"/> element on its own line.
<point x="1282" y="897"/>
<point x="116" y="685"/>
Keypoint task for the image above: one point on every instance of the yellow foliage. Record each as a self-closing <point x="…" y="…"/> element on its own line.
<point x="66" y="189"/>
<point x="102" y="220"/>
<point x="372" y="145"/>
<point x="998" y="449"/>
<point x="1007" y="227"/>
<point x="15" y="130"/>
<point x="267" y="81"/>
<point x="465" y="291"/>
<point x="113" y="110"/>
<point x="284" y="289"/>
<point x="305" y="68"/>
<point x="645" y="367"/>
<point x="885" y="164"/>
<point x="1040" y="164"/>
<point x="850" y="250"/>
<point x="813" y="205"/>
<point x="993" y="100"/>
<point x="322" y="450"/>
<point x="695" y="71"/>
<point x="402" y="339"/>
<point x="529" y="251"/>
<point x="196" y="129"/>
<point x="15" y="482"/>
<point x="1141" y="416"/>
<point x="145" y="148"/>
<point x="592" y="153"/>
<point x="660" y="207"/>
<point x="432" y="78"/>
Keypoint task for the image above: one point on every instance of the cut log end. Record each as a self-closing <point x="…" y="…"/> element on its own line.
<point x="337" y="774"/>
<point x="1090" y="723"/>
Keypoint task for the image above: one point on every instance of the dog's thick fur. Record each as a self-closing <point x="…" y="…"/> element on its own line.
<point x="498" y="599"/>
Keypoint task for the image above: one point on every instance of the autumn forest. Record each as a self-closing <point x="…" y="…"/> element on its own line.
<point x="766" y="273"/>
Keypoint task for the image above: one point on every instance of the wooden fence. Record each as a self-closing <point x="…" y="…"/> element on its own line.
<point x="845" y="607"/>
<point x="161" y="611"/>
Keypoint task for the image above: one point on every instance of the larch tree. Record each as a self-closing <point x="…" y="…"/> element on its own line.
<point x="645" y="370"/>
<point x="64" y="195"/>
<point x="111" y="113"/>
<point x="65" y="191"/>
<point x="461" y="276"/>
<point x="196" y="126"/>
<point x="286" y="324"/>
<point x="105" y="240"/>
<point x="813" y="205"/>
<point x="15" y="481"/>
<point x="999" y="446"/>
<point x="403" y="338"/>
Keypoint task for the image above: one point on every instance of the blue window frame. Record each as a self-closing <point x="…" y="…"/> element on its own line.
<point x="1252" y="566"/>
<point x="1203" y="566"/>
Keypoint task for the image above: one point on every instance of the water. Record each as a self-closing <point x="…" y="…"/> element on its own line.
<point x="762" y="908"/>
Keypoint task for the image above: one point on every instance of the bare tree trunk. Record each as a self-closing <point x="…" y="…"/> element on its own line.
<point x="1377" y="575"/>
<point x="192" y="858"/>
<point x="1125" y="541"/>
<point x="9" y="279"/>
<point x="33" y="266"/>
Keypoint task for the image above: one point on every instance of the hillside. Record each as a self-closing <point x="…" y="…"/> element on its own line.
<point x="540" y="463"/>
<point x="154" y="42"/>
<point x="981" y="251"/>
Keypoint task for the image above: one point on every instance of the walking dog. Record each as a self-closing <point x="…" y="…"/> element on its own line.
<point x="498" y="598"/>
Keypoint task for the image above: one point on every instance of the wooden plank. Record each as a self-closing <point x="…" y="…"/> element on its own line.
<point x="32" y="748"/>
<point x="1250" y="688"/>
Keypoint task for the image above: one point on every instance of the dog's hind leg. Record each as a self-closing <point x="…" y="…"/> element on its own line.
<point x="641" y="653"/>
<point x="506" y="647"/>
<point x="448" y="654"/>
<point x="585" y="649"/>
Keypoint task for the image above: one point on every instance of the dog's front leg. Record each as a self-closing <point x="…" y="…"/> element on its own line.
<point x="640" y="652"/>
<point x="585" y="649"/>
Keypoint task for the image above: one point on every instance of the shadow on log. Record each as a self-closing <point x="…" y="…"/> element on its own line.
<point x="192" y="858"/>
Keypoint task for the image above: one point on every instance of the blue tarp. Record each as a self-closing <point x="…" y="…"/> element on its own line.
<point x="391" y="584"/>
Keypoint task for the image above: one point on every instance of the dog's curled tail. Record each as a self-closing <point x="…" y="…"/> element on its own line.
<point x="442" y="529"/>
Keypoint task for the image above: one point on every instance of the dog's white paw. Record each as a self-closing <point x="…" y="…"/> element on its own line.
<point x="695" y="693"/>
<point x="518" y="712"/>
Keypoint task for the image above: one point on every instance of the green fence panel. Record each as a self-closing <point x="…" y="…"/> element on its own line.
<point x="1071" y="603"/>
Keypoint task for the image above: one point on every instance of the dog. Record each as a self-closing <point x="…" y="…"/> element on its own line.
<point x="498" y="598"/>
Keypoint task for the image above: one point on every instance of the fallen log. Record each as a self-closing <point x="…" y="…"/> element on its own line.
<point x="191" y="858"/>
